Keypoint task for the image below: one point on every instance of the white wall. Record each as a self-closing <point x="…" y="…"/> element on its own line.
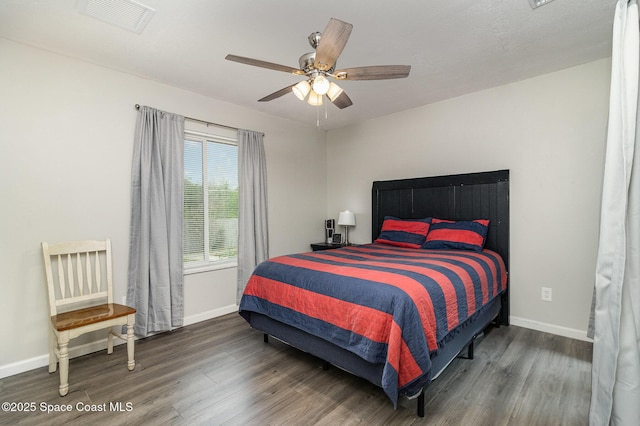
<point x="66" y="138"/>
<point x="549" y="131"/>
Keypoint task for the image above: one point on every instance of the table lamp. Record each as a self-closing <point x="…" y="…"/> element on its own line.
<point x="347" y="219"/>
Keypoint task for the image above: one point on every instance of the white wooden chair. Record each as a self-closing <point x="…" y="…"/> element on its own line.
<point x="79" y="282"/>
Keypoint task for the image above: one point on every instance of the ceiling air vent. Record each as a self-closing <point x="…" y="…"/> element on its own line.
<point x="127" y="14"/>
<point x="537" y="3"/>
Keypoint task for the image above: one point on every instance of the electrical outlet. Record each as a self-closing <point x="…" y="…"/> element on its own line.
<point x="546" y="294"/>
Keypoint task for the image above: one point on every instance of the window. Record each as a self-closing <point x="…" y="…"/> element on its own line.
<point x="210" y="200"/>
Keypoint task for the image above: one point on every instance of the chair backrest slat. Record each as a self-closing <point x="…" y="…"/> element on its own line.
<point x="99" y="274"/>
<point x="80" y="274"/>
<point x="70" y="276"/>
<point x="61" y="282"/>
<point x="88" y="273"/>
<point x="81" y="277"/>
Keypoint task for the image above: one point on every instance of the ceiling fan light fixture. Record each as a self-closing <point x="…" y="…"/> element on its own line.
<point x="301" y="90"/>
<point x="315" y="99"/>
<point x="334" y="91"/>
<point x="321" y="85"/>
<point x="317" y="66"/>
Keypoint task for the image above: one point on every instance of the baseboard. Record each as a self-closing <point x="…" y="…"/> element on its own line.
<point x="76" y="351"/>
<point x="550" y="328"/>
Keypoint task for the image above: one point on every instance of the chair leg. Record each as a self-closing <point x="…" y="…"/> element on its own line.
<point x="131" y="364"/>
<point x="63" y="345"/>
<point x="53" y="359"/>
<point x="109" y="341"/>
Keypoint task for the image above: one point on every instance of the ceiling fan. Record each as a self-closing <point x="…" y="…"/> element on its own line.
<point x="318" y="65"/>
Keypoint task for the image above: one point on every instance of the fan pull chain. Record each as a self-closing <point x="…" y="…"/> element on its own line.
<point x="326" y="113"/>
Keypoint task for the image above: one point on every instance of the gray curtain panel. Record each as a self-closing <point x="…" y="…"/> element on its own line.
<point x="155" y="284"/>
<point x="253" y="232"/>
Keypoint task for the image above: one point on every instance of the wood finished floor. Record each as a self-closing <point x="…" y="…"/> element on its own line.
<point x="221" y="372"/>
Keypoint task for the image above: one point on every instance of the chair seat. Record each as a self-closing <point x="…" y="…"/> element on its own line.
<point x="86" y="316"/>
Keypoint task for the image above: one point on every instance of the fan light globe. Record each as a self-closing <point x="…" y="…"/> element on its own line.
<point x="314" y="99"/>
<point x="334" y="91"/>
<point x="301" y="90"/>
<point x="321" y="85"/>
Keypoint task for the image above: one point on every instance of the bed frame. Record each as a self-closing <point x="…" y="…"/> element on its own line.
<point x="470" y="196"/>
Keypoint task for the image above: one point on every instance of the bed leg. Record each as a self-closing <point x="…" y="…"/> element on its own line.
<point x="420" y="404"/>
<point x="266" y="338"/>
<point x="469" y="349"/>
<point x="325" y="365"/>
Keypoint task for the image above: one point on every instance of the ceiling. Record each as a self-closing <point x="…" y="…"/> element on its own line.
<point x="454" y="47"/>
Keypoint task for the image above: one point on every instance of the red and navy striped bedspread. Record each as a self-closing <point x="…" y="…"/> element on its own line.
<point x="388" y="305"/>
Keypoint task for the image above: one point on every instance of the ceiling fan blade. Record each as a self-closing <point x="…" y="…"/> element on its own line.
<point x="264" y="64"/>
<point x="342" y="101"/>
<point x="277" y="94"/>
<point x="331" y="44"/>
<point x="378" y="72"/>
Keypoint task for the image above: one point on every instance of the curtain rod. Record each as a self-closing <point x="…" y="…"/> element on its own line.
<point x="208" y="123"/>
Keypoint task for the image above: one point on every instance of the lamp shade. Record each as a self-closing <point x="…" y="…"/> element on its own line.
<point x="347" y="218"/>
<point x="334" y="91"/>
<point x="314" y="99"/>
<point x="301" y="90"/>
<point x="320" y="85"/>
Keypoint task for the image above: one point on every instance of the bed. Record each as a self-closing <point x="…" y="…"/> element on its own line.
<point x="395" y="314"/>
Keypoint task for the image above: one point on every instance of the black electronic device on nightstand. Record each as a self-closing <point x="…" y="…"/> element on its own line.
<point x="329" y="229"/>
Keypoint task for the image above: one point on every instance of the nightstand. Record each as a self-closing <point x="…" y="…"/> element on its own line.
<point x="325" y="246"/>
